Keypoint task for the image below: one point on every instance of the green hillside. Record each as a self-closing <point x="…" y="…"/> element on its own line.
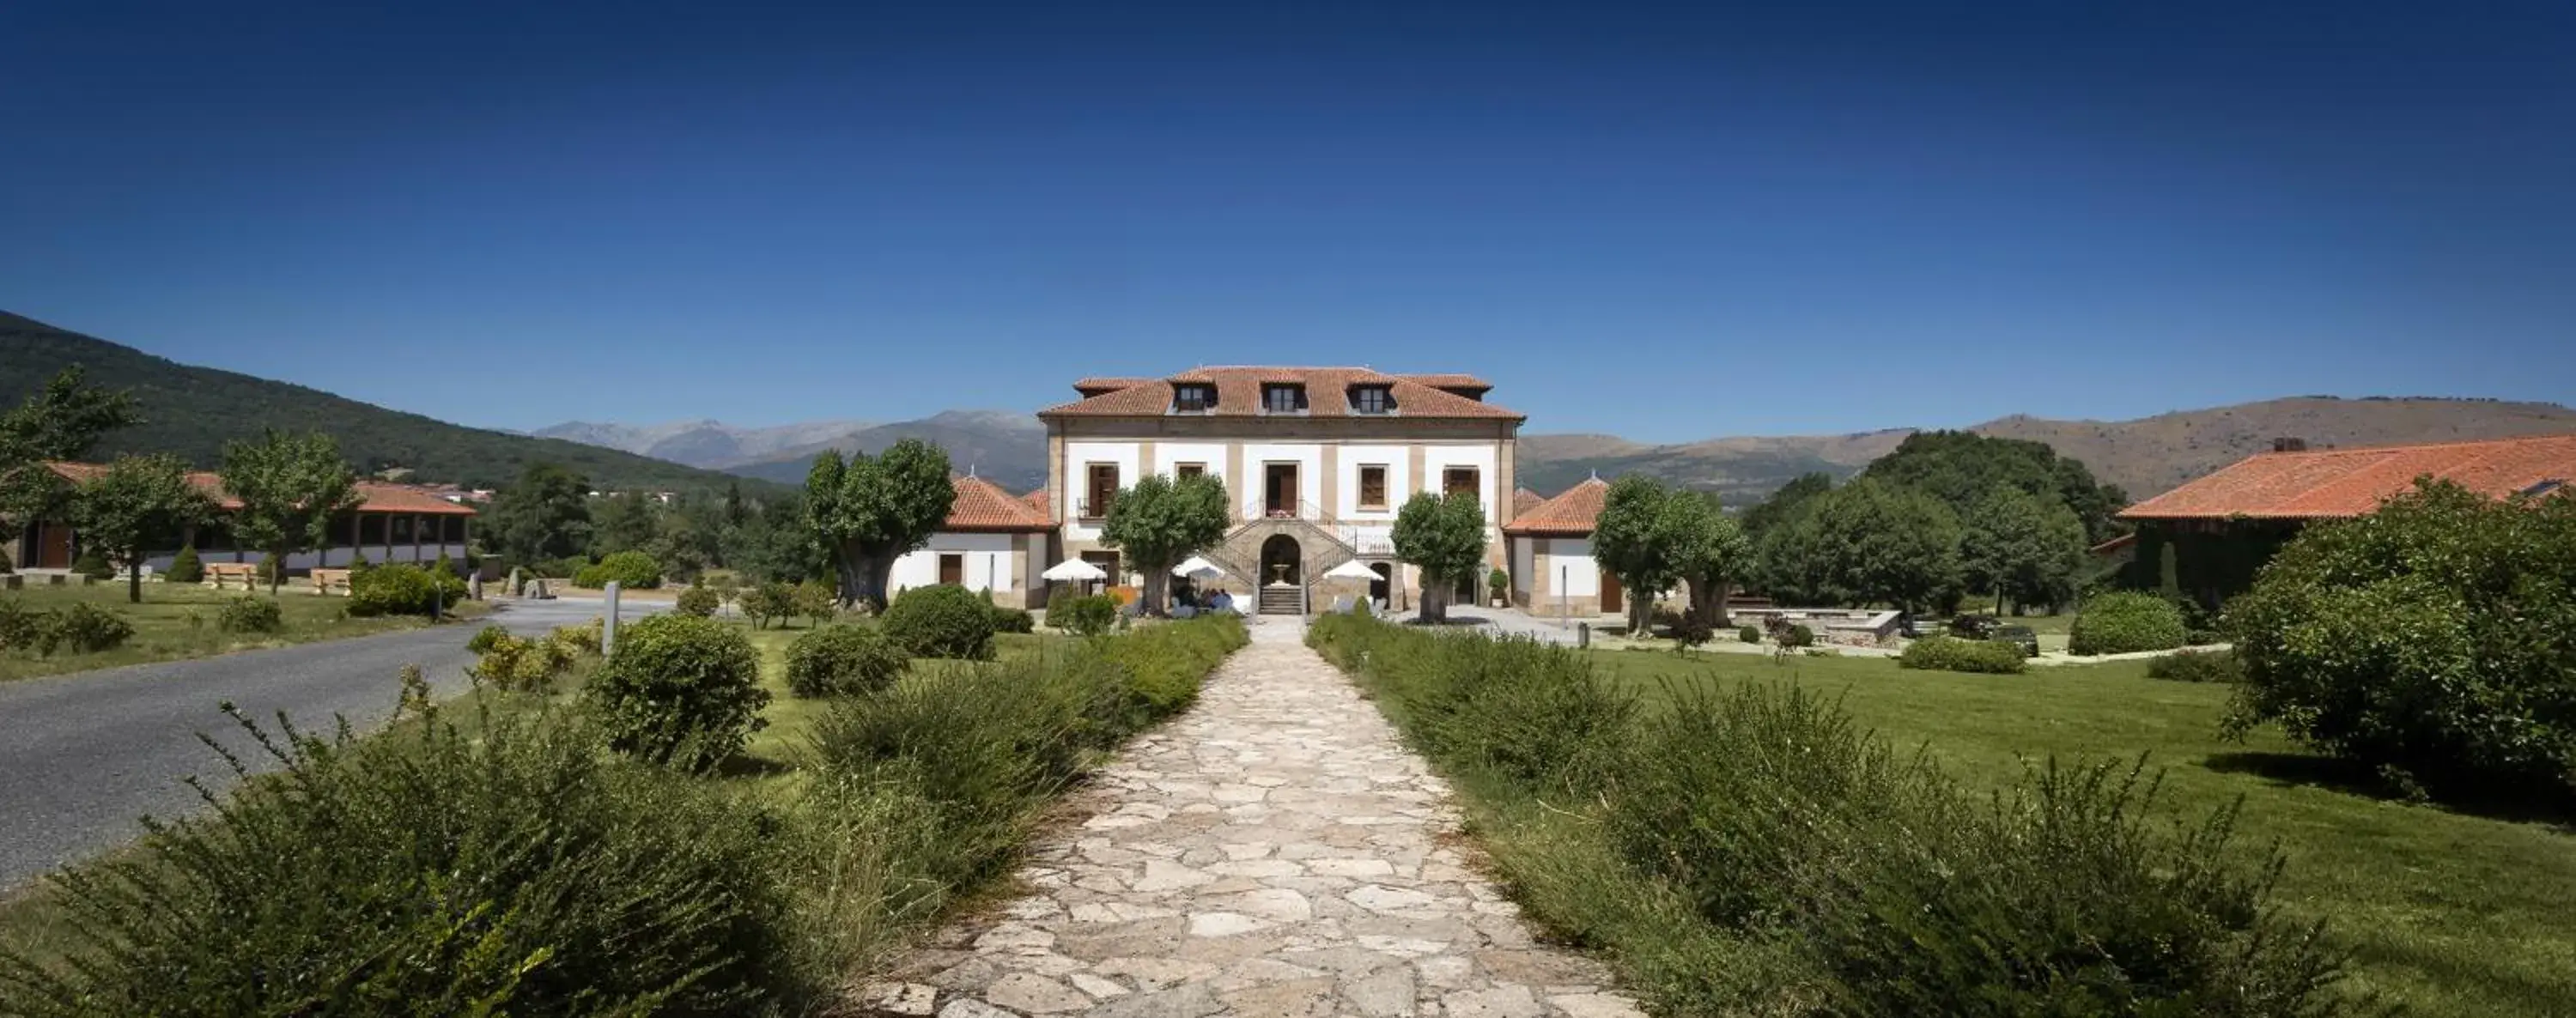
<point x="191" y="411"/>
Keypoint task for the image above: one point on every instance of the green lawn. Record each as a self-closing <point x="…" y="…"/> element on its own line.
<point x="2449" y="913"/>
<point x="177" y="621"/>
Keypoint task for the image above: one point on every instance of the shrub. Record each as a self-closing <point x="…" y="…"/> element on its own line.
<point x="633" y="570"/>
<point x="1797" y="635"/>
<point x="941" y="620"/>
<point x="93" y="564"/>
<point x="818" y="602"/>
<point x="272" y="572"/>
<point x="486" y="638"/>
<point x="2126" y="621"/>
<point x="5" y="567"/>
<point x="1083" y="615"/>
<point x="1530" y="713"/>
<point x="835" y="660"/>
<point x="507" y="869"/>
<point x="1497" y="584"/>
<point x="185" y="567"/>
<point x="1692" y="629"/>
<point x="1749" y="634"/>
<point x="1013" y="620"/>
<point x="698" y="601"/>
<point x="24" y="628"/>
<point x="679" y="690"/>
<point x="1163" y="665"/>
<point x="87" y="629"/>
<point x="2198" y="666"/>
<point x="768" y="601"/>
<point x="402" y="590"/>
<point x="1952" y="654"/>
<point x="250" y="613"/>
<point x="2429" y="641"/>
<point x="1057" y="599"/>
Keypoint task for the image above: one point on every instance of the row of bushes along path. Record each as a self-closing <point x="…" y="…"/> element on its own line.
<point x="1274" y="851"/>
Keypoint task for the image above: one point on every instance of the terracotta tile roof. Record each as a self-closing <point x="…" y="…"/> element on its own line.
<point x="1569" y="514"/>
<point x="1450" y="381"/>
<point x="1040" y="501"/>
<point x="982" y="505"/>
<point x="2351" y="482"/>
<point x="1238" y="394"/>
<point x="374" y="496"/>
<point x="1524" y="500"/>
<point x="1096" y="386"/>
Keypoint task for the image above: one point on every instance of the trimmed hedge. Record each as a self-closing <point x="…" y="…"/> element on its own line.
<point x="1013" y="620"/>
<point x="679" y="690"/>
<point x="1083" y="614"/>
<point x="835" y="660"/>
<point x="1749" y="634"/>
<point x="402" y="590"/>
<point x="2126" y="621"/>
<point x="698" y="601"/>
<point x="250" y="613"/>
<point x="632" y="570"/>
<point x="1952" y="654"/>
<point x="941" y="620"/>
<point x="186" y="567"/>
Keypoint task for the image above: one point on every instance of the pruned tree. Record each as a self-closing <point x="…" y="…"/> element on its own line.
<point x="1445" y="539"/>
<point x="868" y="511"/>
<point x="1160" y="522"/>
<point x="1628" y="539"/>
<point x="1888" y="543"/>
<point x="545" y="514"/>
<point x="289" y="486"/>
<point x="140" y="503"/>
<point x="1705" y="550"/>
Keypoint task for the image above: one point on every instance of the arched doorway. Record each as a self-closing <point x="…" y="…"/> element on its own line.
<point x="1281" y="562"/>
<point x="1381" y="590"/>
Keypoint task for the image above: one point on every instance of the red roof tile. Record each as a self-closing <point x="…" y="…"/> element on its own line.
<point x="982" y="505"/>
<point x="1569" y="514"/>
<point x="1238" y="394"/>
<point x="1524" y="500"/>
<point x="2351" y="482"/>
<point x="373" y="496"/>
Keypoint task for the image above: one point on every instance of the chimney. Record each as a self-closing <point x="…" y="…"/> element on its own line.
<point x="2289" y="445"/>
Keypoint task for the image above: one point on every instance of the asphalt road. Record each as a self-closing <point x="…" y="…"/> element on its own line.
<point x="84" y="756"/>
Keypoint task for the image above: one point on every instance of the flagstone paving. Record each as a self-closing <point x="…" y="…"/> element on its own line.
<point x="1274" y="851"/>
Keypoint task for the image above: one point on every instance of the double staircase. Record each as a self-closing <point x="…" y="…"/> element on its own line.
<point x="1240" y="556"/>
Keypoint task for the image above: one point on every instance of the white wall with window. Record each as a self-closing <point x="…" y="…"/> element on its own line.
<point x="1170" y="457"/>
<point x="975" y="561"/>
<point x="1439" y="461"/>
<point x="1121" y="463"/>
<point x="1571" y="570"/>
<point x="1356" y="463"/>
<point x="1259" y="466"/>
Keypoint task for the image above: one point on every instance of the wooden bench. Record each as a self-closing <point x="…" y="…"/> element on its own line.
<point x="331" y="581"/>
<point x="223" y="575"/>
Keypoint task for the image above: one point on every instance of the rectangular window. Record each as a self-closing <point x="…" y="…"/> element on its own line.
<point x="1283" y="398"/>
<point x="1102" y="490"/>
<point x="1187" y="470"/>
<point x="1373" y="486"/>
<point x="1457" y="479"/>
<point x="1371" y="399"/>
<point x="952" y="568"/>
<point x="1193" y="399"/>
<point x="1108" y="563"/>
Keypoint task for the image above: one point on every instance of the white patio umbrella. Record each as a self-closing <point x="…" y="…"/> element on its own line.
<point x="1074" y="570"/>
<point x="1197" y="568"/>
<point x="1352" y="570"/>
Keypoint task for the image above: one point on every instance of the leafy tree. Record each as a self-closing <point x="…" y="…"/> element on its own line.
<point x="1160" y="521"/>
<point x="1445" y="539"/>
<point x="543" y="516"/>
<point x="1885" y="543"/>
<point x="622" y="521"/>
<point x="1629" y="541"/>
<point x="140" y="503"/>
<point x="1790" y="561"/>
<point x="2023" y="547"/>
<point x="1708" y="552"/>
<point x="1784" y="503"/>
<point x="62" y="421"/>
<point x="1961" y="468"/>
<point x="776" y="544"/>
<point x="289" y="487"/>
<point x="868" y="511"/>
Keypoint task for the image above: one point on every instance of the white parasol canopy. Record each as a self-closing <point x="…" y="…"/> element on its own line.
<point x="1352" y="570"/>
<point x="1074" y="569"/>
<point x="1197" y="568"/>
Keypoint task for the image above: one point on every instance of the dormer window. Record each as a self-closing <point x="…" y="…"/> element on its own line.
<point x="1372" y="399"/>
<point x="1193" y="398"/>
<point x="1283" y="398"/>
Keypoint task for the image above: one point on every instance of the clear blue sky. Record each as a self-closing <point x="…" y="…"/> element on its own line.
<point x="1663" y="224"/>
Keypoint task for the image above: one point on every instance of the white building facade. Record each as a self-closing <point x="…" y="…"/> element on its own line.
<point x="1315" y="461"/>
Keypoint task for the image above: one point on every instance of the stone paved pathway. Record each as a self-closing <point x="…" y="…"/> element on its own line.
<point x="1272" y="852"/>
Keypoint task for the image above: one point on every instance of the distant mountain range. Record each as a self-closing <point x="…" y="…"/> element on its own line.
<point x="192" y="411"/>
<point x="2144" y="456"/>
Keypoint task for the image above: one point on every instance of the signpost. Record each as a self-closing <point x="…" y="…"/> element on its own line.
<point x="608" y="621"/>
